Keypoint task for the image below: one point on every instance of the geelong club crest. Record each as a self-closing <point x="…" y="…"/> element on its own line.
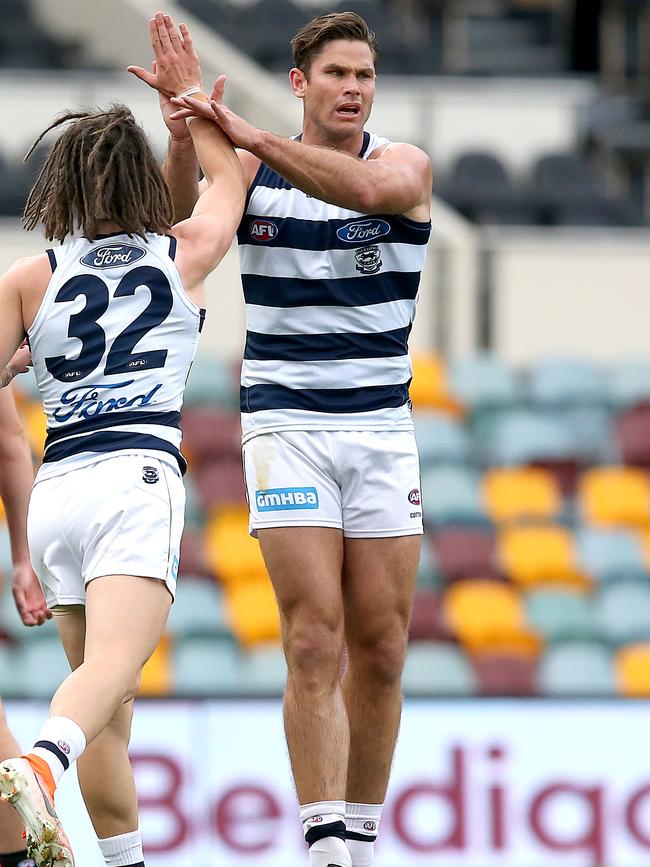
<point x="368" y="259"/>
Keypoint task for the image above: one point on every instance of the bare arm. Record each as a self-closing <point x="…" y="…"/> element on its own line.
<point x="16" y="477"/>
<point x="396" y="182"/>
<point x="181" y="171"/>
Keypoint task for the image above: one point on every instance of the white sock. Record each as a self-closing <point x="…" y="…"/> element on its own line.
<point x="323" y="823"/>
<point x="123" y="850"/>
<point x="60" y="742"/>
<point x="362" y="821"/>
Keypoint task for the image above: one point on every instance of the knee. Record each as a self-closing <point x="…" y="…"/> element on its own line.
<point x="378" y="655"/>
<point x="313" y="648"/>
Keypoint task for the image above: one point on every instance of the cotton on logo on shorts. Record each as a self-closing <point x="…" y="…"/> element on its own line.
<point x="283" y="499"/>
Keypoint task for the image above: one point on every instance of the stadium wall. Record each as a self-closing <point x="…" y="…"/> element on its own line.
<point x="490" y="783"/>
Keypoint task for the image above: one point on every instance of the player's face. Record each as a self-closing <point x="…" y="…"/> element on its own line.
<point x="339" y="91"/>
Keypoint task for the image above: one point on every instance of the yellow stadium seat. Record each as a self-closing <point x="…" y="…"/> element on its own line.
<point x="156" y="674"/>
<point x="429" y="387"/>
<point x="533" y="555"/>
<point x="231" y="551"/>
<point x="632" y="666"/>
<point x="516" y="493"/>
<point x="253" y="611"/>
<point x="615" y="496"/>
<point x="35" y="425"/>
<point x="489" y="615"/>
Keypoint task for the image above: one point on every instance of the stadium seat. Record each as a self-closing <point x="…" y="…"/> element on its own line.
<point x="451" y="494"/>
<point x="425" y="623"/>
<point x="506" y="674"/>
<point x="253" y="611"/>
<point x="623" y="612"/>
<point x="211" y="382"/>
<point x="220" y="483"/>
<point x="157" y="674"/>
<point x="488" y="615"/>
<point x="633" y="436"/>
<point x="521" y="493"/>
<point x="526" y="436"/>
<point x="231" y="551"/>
<point x="632" y="666"/>
<point x="199" y="609"/>
<point x="437" y="668"/>
<point x="610" y="555"/>
<point x="39" y="680"/>
<point x="592" y="429"/>
<point x="429" y="388"/>
<point x="441" y="440"/>
<point x="193" y="558"/>
<point x="563" y="178"/>
<point x="484" y="381"/>
<point x="561" y="382"/>
<point x="428" y="575"/>
<point x="534" y="555"/>
<point x="465" y="552"/>
<point x="194" y="513"/>
<point x="264" y="670"/>
<point x="562" y="615"/>
<point x="204" y="666"/>
<point x="576" y="668"/>
<point x="629" y="383"/>
<point x="614" y="496"/>
<point x="210" y="433"/>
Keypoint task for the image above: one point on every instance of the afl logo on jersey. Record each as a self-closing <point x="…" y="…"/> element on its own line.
<point x="112" y="256"/>
<point x="363" y="231"/>
<point x="263" y="230"/>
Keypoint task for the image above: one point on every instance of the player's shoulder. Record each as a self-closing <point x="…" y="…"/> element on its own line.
<point x="250" y="164"/>
<point x="401" y="151"/>
<point x="36" y="269"/>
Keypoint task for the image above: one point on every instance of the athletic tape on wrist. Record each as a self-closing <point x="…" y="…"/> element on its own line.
<point x="189" y="91"/>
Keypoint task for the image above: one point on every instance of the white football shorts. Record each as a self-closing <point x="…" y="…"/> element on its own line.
<point x="120" y="516"/>
<point x="366" y="483"/>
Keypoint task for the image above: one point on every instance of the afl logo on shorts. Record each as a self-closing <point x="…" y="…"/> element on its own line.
<point x="150" y="475"/>
<point x="64" y="746"/>
<point x="263" y="230"/>
<point x="112" y="256"/>
<point x="414" y="497"/>
<point x="371" y="827"/>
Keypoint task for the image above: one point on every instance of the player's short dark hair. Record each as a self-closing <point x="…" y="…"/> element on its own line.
<point x="311" y="38"/>
<point x="101" y="167"/>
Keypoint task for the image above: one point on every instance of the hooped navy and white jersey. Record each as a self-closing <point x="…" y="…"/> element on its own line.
<point x="112" y="344"/>
<point x="330" y="299"/>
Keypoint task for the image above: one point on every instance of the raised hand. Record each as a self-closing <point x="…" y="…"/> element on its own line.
<point x="177" y="64"/>
<point x="241" y="133"/>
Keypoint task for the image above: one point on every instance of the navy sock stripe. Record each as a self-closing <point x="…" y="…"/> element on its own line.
<point x="319" y="832"/>
<point x="61" y="756"/>
<point x="15" y="859"/>
<point x="363" y="838"/>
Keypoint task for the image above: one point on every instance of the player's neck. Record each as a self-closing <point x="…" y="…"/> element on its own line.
<point x="312" y="135"/>
<point x="108" y="227"/>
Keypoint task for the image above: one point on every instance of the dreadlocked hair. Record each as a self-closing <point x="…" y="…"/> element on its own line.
<point x="100" y="168"/>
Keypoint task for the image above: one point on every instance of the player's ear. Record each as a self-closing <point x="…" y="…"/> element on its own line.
<point x="297" y="79"/>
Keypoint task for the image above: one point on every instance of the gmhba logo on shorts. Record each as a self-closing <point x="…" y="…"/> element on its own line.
<point x="283" y="499"/>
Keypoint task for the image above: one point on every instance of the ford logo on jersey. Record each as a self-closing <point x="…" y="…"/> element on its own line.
<point x="263" y="230"/>
<point x="281" y="499"/>
<point x="112" y="256"/>
<point x="362" y="231"/>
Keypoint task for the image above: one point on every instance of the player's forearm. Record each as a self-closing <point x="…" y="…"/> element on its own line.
<point x="334" y="176"/>
<point x="219" y="162"/>
<point x="16" y="477"/>
<point x="181" y="171"/>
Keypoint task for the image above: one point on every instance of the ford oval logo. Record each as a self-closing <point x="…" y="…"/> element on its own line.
<point x="263" y="230"/>
<point x="112" y="256"/>
<point x="363" y="231"/>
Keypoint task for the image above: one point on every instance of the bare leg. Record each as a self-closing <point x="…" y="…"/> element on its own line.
<point x="125" y="617"/>
<point x="305" y="567"/>
<point x="104" y="771"/>
<point x="379" y="584"/>
<point x="11" y="826"/>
